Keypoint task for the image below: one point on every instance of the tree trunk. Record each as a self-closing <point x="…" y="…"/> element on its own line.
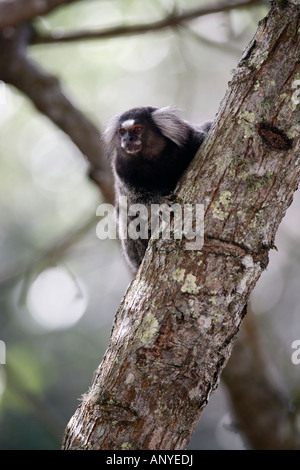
<point x="171" y="339"/>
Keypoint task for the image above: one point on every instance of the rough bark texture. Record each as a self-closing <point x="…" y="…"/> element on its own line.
<point x="171" y="339"/>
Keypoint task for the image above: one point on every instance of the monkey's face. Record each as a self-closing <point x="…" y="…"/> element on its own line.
<point x="131" y="136"/>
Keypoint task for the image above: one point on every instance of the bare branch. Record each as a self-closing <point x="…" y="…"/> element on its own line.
<point x="49" y="256"/>
<point x="172" y="20"/>
<point x="15" y="12"/>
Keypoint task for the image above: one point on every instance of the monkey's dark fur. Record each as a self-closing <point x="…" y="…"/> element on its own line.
<point x="150" y="149"/>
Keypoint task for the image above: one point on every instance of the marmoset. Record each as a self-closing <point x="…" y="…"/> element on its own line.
<point x="150" y="148"/>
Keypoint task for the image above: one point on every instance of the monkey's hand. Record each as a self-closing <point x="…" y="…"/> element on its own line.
<point x="170" y="199"/>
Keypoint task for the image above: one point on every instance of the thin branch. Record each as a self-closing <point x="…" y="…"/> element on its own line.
<point x="50" y="256"/>
<point x="16" y="12"/>
<point x="172" y="20"/>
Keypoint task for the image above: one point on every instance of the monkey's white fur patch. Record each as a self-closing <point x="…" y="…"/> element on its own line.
<point x="110" y="133"/>
<point x="128" y="123"/>
<point x="168" y="121"/>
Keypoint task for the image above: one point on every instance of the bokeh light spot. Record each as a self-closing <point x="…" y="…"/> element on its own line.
<point x="56" y="300"/>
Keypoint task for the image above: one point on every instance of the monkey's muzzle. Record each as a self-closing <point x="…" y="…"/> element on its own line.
<point x="132" y="147"/>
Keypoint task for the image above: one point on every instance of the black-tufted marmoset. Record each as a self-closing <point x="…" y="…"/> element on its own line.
<point x="150" y="148"/>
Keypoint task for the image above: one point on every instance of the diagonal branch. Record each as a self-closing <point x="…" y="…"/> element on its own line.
<point x="51" y="255"/>
<point x="172" y="20"/>
<point x="45" y="92"/>
<point x="260" y="402"/>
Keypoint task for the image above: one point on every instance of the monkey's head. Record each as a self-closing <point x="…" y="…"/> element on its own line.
<point x="143" y="131"/>
<point x="131" y="135"/>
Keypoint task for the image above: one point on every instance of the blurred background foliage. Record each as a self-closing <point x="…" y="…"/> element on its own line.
<point x="58" y="301"/>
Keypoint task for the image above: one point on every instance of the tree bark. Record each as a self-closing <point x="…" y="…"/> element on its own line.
<point x="171" y="339"/>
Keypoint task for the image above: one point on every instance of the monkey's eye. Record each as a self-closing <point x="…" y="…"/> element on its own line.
<point x="138" y="129"/>
<point x="122" y="131"/>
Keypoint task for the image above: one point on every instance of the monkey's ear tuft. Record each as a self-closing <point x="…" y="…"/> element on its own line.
<point x="171" y="126"/>
<point x="109" y="134"/>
